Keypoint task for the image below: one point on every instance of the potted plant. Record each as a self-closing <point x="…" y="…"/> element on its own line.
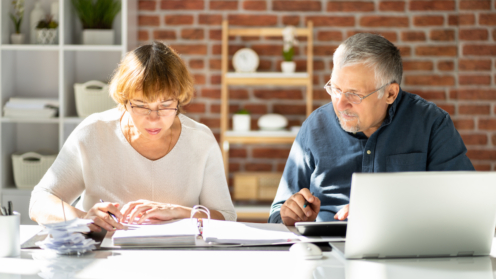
<point x="289" y="41"/>
<point x="46" y="31"/>
<point x="241" y="120"/>
<point x="97" y="17"/>
<point x="17" y="37"/>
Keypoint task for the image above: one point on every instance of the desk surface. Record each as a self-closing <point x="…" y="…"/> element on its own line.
<point x="231" y="264"/>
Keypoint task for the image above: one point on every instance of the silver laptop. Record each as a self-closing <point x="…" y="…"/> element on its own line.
<point x="421" y="214"/>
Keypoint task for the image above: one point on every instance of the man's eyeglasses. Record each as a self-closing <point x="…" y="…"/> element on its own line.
<point x="146" y="111"/>
<point x="352" y="97"/>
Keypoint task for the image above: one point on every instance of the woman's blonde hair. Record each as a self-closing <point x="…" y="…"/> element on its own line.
<point x="157" y="71"/>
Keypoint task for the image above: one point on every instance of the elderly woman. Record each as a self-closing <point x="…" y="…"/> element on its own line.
<point x="144" y="155"/>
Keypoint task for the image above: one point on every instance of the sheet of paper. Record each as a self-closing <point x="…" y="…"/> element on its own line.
<point x="182" y="227"/>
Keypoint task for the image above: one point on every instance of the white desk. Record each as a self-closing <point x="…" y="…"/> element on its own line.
<point x="149" y="263"/>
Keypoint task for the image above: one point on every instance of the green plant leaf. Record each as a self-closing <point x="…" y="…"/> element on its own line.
<point x="97" y="14"/>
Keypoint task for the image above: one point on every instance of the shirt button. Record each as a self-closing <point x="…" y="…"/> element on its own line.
<point x="368" y="152"/>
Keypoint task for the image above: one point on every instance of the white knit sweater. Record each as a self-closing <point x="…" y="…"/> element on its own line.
<point x="97" y="162"/>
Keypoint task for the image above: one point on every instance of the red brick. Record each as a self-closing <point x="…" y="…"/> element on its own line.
<point x="143" y="35"/>
<point x="446" y="65"/>
<point x="215" y="79"/>
<point x="474" y="80"/>
<point x="433" y="80"/>
<point x="430" y="95"/>
<point x="481" y="154"/>
<point x="443" y="5"/>
<point x="494" y="35"/>
<point x="290" y="109"/>
<point x="473" y="34"/>
<point x="210" y="19"/>
<point x="321" y="94"/>
<point x="291" y="20"/>
<point x="397" y="6"/>
<point x="199" y="79"/>
<point x="384" y="21"/>
<point x="474" y="65"/>
<point x="482" y="167"/>
<point x="258" y="167"/>
<point x="442" y="35"/>
<point x="477" y="139"/>
<point x="301" y="65"/>
<point x="464" y="124"/>
<point x="291" y="94"/>
<point x="324" y="50"/>
<point x="217" y="49"/>
<point x="436" y="50"/>
<point x="190" y="49"/>
<point x="474" y="109"/>
<point x="479" y="50"/>
<point x="193" y="34"/>
<point x="195" y="108"/>
<point x="487" y="19"/>
<point x="330" y="21"/>
<point x="297" y="6"/>
<point x="182" y="5"/>
<point x="330" y="36"/>
<point x="280" y="153"/>
<point x="147" y="5"/>
<point x="493" y="139"/>
<point x="233" y="167"/>
<point x="428" y="20"/>
<point x="238" y="94"/>
<point x="164" y="35"/>
<point x="178" y="19"/>
<point x="255" y="5"/>
<point x="253" y="20"/>
<point x="473" y="94"/>
<point x="223" y="5"/>
<point x="487" y="124"/>
<point x="418" y="66"/>
<point x="405" y="50"/>
<point x="475" y="5"/>
<point x="215" y="64"/>
<point x="196" y="64"/>
<point x="148" y="20"/>
<point x="256" y="108"/>
<point x="465" y="19"/>
<point x="280" y="167"/>
<point x="210" y="122"/>
<point x="389" y="35"/>
<point x="350" y="6"/>
<point x="450" y="109"/>
<point x="216" y="108"/>
<point x="411" y="36"/>
<point x="268" y="49"/>
<point x="237" y="153"/>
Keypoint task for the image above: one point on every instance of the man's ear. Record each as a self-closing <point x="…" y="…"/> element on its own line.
<point x="391" y="93"/>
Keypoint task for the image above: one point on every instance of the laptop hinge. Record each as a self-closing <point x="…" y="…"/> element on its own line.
<point x="465" y="254"/>
<point x="370" y="256"/>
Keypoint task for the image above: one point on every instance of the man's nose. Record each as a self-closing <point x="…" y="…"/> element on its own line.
<point x="342" y="103"/>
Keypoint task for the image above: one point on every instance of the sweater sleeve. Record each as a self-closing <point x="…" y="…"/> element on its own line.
<point x="64" y="179"/>
<point x="215" y="192"/>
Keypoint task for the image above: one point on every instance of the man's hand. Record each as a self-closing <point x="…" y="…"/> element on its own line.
<point x="343" y="213"/>
<point x="294" y="209"/>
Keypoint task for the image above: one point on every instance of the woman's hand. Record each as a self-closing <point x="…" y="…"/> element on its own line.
<point x="144" y="209"/>
<point x="101" y="219"/>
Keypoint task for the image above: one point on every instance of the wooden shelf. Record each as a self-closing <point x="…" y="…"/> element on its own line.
<point x="267" y="137"/>
<point x="253" y="212"/>
<point x="270" y="78"/>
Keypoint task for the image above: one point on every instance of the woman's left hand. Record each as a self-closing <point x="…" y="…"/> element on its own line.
<point x="145" y="209"/>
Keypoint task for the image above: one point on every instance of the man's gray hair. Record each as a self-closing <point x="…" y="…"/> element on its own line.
<point x="375" y="51"/>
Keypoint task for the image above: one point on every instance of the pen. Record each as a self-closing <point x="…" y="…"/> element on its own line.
<point x="306" y="202"/>
<point x="4" y="211"/>
<point x="111" y="215"/>
<point x="10" y="207"/>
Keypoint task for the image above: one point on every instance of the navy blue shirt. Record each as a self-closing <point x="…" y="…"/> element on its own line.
<point x="416" y="135"/>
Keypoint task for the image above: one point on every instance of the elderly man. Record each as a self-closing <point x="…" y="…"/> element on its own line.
<point x="371" y="125"/>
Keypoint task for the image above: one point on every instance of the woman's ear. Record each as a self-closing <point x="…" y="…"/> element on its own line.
<point x="391" y="93"/>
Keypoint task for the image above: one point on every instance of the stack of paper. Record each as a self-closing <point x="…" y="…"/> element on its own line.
<point x="31" y="108"/>
<point x="67" y="237"/>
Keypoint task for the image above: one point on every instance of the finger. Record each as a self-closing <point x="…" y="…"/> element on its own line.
<point x="114" y="209"/>
<point x="297" y="205"/>
<point x="296" y="210"/>
<point x="136" y="212"/>
<point x="307" y="195"/>
<point x="315" y="207"/>
<point x="129" y="208"/>
<point x="288" y="216"/>
<point x="100" y="221"/>
<point x="342" y="214"/>
<point x="95" y="228"/>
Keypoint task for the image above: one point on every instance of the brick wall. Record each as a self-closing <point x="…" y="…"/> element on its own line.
<point x="448" y="49"/>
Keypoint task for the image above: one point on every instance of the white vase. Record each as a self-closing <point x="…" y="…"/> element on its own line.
<point x="288" y="67"/>
<point x="98" y="37"/>
<point x="36" y="15"/>
<point x="46" y="36"/>
<point x="241" y="122"/>
<point x="17" y="39"/>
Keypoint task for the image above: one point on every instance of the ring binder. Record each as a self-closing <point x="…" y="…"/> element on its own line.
<point x="199" y="222"/>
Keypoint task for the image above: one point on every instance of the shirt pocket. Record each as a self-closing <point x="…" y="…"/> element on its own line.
<point x="406" y="162"/>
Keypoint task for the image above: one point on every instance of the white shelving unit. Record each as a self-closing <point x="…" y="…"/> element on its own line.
<point x="50" y="71"/>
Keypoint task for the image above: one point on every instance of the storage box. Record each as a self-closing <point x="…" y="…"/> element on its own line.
<point x="30" y="167"/>
<point x="92" y="97"/>
<point x="260" y="186"/>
